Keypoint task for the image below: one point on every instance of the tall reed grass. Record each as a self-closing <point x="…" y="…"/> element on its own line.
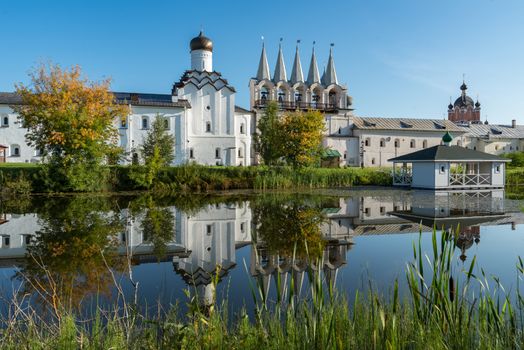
<point x="446" y="307"/>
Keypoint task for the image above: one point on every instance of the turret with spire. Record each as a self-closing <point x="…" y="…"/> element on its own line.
<point x="313" y="75"/>
<point x="296" y="72"/>
<point x="280" y="68"/>
<point x="263" y="66"/>
<point x="331" y="73"/>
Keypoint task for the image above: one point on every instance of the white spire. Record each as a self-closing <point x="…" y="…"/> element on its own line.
<point x="313" y="76"/>
<point x="296" y="73"/>
<point x="330" y="76"/>
<point x="263" y="66"/>
<point x="280" y="68"/>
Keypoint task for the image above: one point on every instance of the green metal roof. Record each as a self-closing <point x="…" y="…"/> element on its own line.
<point x="330" y="153"/>
<point x="447" y="153"/>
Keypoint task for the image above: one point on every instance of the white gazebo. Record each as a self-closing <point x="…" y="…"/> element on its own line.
<point x="449" y="167"/>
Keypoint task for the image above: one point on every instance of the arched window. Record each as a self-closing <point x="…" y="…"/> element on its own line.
<point x="281" y="95"/>
<point x="367" y="142"/>
<point x="217" y="153"/>
<point x="339" y="130"/>
<point x="425" y="144"/>
<point x="397" y="143"/>
<point x="5" y="121"/>
<point x="191" y="153"/>
<point x="382" y="142"/>
<point x="208" y="126"/>
<point x="242" y="131"/>
<point x="240" y="152"/>
<point x="264" y="93"/>
<point x="123" y="122"/>
<point x="373" y="161"/>
<point x="345" y="154"/>
<point x="298" y="96"/>
<point x="412" y="143"/>
<point x="166" y="123"/>
<point x="316" y="97"/>
<point x="145" y="123"/>
<point x="15" y="151"/>
<point x="332" y="98"/>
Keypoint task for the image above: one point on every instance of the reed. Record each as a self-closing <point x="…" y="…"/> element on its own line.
<point x="446" y="307"/>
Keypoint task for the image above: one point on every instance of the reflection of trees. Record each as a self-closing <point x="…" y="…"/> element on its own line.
<point x="158" y="227"/>
<point x="66" y="259"/>
<point x="289" y="227"/>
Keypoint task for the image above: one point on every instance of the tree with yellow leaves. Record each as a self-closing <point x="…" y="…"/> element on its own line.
<point x="70" y="120"/>
<point x="302" y="137"/>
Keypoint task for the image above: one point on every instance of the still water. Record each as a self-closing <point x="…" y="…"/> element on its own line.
<point x="167" y="250"/>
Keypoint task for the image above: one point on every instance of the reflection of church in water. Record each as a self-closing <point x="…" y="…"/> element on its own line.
<point x="210" y="238"/>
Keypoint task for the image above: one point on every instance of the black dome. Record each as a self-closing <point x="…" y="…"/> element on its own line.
<point x="201" y="42"/>
<point x="463" y="86"/>
<point x="450" y="106"/>
<point x="465" y="101"/>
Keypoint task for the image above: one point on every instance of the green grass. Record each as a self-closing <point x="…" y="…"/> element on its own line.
<point x="446" y="308"/>
<point x="19" y="165"/>
<point x="196" y="178"/>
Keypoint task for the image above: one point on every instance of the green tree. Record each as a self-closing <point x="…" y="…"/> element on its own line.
<point x="70" y="119"/>
<point x="302" y="134"/>
<point x="158" y="137"/>
<point x="269" y="141"/>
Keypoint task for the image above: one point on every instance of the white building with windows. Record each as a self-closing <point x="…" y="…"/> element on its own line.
<point x="201" y="114"/>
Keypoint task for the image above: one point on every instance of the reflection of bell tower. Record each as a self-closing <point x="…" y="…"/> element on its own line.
<point x="464" y="109"/>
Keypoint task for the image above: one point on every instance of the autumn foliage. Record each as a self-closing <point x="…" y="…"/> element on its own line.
<point x="70" y="120"/>
<point x="294" y="138"/>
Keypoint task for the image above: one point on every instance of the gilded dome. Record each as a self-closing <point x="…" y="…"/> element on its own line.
<point x="201" y="42"/>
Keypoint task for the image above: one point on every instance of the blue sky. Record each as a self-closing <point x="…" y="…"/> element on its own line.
<point x="398" y="58"/>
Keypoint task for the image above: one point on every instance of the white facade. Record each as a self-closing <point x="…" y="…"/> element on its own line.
<point x="208" y="128"/>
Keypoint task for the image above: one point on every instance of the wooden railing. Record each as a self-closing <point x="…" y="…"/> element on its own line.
<point x="469" y="179"/>
<point x="298" y="105"/>
<point x="404" y="177"/>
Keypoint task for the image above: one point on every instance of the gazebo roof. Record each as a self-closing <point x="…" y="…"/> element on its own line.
<point x="448" y="153"/>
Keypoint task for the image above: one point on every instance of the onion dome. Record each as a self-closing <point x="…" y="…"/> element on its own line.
<point x="463" y="87"/>
<point x="201" y="42"/>
<point x="447" y="138"/>
<point x="477" y="104"/>
<point x="464" y="101"/>
<point x="450" y="106"/>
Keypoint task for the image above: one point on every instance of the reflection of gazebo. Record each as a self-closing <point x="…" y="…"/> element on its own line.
<point x="3" y="153"/>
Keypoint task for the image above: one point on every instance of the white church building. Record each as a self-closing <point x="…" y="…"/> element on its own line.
<point x="207" y="125"/>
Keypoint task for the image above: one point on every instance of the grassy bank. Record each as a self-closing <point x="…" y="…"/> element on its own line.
<point x="194" y="178"/>
<point x="446" y="308"/>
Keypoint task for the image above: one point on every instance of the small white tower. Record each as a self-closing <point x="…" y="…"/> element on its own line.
<point x="201" y="53"/>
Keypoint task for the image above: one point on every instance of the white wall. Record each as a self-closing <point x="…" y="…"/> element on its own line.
<point x="12" y="135"/>
<point x="424" y="175"/>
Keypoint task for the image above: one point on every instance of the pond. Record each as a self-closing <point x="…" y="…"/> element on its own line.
<point x="86" y="250"/>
